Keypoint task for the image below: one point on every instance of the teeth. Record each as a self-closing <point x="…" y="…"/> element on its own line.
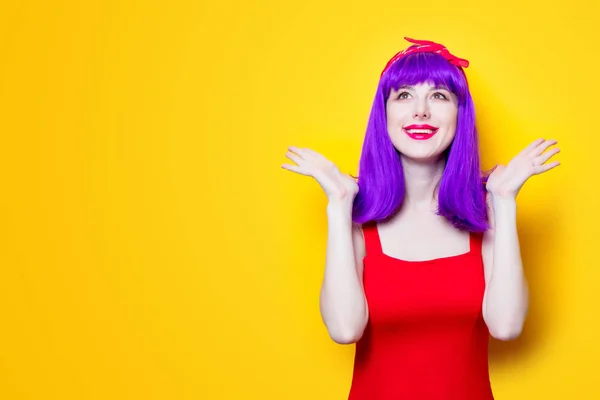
<point x="428" y="131"/>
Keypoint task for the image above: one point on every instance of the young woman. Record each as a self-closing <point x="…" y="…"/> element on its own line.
<point x="423" y="260"/>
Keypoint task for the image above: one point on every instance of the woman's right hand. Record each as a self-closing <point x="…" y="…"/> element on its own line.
<point x="337" y="185"/>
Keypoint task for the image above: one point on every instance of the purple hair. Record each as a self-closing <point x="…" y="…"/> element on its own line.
<point x="461" y="196"/>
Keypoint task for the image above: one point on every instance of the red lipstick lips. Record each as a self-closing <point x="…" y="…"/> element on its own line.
<point x="420" y="132"/>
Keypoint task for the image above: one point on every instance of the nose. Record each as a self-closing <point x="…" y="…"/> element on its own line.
<point x="421" y="110"/>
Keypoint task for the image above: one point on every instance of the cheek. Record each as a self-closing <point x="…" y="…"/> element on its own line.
<point x="396" y="115"/>
<point x="450" y="117"/>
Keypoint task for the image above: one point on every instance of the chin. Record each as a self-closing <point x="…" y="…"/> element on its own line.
<point x="422" y="151"/>
<point x="422" y="158"/>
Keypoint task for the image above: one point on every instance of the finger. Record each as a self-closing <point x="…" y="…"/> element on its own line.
<point x="546" y="156"/>
<point x="533" y="145"/>
<point x="542" y="147"/>
<point x="296" y="150"/>
<point x="306" y="152"/>
<point x="546" y="167"/>
<point x="294" y="157"/>
<point x="294" y="168"/>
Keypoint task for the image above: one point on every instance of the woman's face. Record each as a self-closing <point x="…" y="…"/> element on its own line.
<point x="421" y="120"/>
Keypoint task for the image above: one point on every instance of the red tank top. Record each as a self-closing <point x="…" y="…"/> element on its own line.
<point x="426" y="338"/>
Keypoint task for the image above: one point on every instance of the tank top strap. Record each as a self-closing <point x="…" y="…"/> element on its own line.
<point x="475" y="242"/>
<point x="372" y="241"/>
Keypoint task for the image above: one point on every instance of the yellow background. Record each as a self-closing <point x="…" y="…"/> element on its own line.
<point x="153" y="248"/>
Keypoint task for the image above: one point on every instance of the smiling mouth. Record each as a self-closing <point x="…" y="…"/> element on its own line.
<point x="420" y="134"/>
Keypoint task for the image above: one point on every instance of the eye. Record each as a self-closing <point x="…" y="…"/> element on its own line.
<point x="440" y="95"/>
<point x="403" y="95"/>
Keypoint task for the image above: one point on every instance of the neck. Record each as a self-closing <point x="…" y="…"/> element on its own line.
<point x="421" y="179"/>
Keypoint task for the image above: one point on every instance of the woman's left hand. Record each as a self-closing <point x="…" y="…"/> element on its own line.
<point x="507" y="181"/>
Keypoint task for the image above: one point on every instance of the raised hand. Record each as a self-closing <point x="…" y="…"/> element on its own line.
<point x="507" y="181"/>
<point x="337" y="185"/>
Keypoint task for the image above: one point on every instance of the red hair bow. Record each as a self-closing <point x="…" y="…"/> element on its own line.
<point x="421" y="46"/>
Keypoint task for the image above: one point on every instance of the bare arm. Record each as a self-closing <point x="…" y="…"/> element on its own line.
<point x="342" y="300"/>
<point x="343" y="304"/>
<point x="506" y="298"/>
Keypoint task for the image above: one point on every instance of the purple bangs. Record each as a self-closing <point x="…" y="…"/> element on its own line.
<point x="461" y="196"/>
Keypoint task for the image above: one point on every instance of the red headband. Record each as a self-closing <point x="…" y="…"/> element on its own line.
<point x="421" y="46"/>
